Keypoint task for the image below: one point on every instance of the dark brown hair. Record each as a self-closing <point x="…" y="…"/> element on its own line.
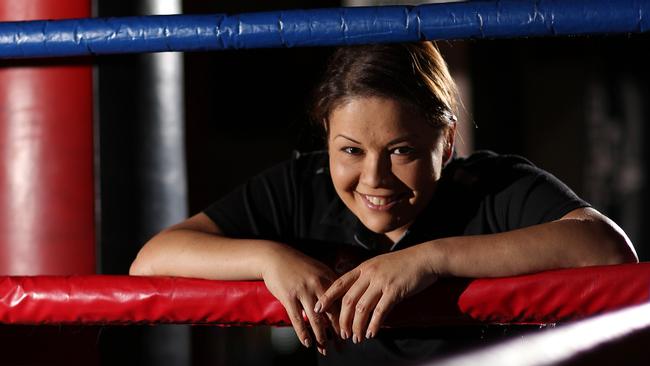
<point x="413" y="73"/>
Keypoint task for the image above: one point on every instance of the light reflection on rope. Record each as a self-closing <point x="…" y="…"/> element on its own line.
<point x="559" y="344"/>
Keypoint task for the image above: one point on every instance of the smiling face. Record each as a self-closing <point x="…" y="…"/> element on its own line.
<point x="385" y="160"/>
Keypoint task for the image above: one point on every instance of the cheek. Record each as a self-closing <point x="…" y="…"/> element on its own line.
<point x="434" y="164"/>
<point x="418" y="175"/>
<point x="344" y="176"/>
<point x="421" y="176"/>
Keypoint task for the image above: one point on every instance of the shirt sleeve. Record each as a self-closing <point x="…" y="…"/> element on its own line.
<point x="261" y="207"/>
<point x="528" y="195"/>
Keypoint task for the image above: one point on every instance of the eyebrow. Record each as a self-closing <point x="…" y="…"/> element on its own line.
<point x="392" y="142"/>
<point x="401" y="139"/>
<point x="348" y="138"/>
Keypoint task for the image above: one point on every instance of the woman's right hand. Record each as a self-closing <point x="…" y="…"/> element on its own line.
<point x="297" y="281"/>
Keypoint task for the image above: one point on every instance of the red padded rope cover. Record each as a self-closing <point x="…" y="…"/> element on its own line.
<point x="538" y="298"/>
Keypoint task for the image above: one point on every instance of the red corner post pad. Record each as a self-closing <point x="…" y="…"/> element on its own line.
<point x="547" y="297"/>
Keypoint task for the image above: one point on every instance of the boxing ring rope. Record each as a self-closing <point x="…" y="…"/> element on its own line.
<point x="542" y="298"/>
<point x="322" y="27"/>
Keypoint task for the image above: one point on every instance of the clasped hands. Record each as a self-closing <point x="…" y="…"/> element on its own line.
<point x="355" y="304"/>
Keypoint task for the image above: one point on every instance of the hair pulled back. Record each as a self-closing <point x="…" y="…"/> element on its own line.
<point x="412" y="73"/>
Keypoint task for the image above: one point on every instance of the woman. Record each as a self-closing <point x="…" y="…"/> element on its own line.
<point x="387" y="207"/>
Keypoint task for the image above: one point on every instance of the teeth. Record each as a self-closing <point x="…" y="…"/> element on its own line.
<point x="377" y="200"/>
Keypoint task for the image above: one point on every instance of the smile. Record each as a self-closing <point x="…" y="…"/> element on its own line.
<point x="381" y="203"/>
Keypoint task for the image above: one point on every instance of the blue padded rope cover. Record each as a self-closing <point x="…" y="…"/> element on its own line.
<point x="320" y="27"/>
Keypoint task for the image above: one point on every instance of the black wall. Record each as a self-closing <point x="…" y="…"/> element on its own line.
<point x="577" y="107"/>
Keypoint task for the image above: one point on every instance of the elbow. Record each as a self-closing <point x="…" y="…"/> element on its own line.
<point x="614" y="246"/>
<point x="618" y="255"/>
<point x="622" y="250"/>
<point x="138" y="268"/>
<point x="142" y="265"/>
<point x="153" y="257"/>
<point x="623" y="254"/>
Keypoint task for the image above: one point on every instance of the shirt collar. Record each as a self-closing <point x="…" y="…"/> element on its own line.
<point x="338" y="214"/>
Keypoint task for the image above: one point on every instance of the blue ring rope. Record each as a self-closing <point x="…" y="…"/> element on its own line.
<point x="322" y="27"/>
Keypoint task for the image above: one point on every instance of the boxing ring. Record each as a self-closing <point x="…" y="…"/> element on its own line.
<point x="548" y="298"/>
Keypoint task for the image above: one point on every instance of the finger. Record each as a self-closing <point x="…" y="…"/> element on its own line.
<point x="333" y="316"/>
<point x="348" y="304"/>
<point x="293" y="310"/>
<point x="317" y="321"/>
<point x="321" y="350"/>
<point x="363" y="310"/>
<point x="337" y="289"/>
<point x="383" y="307"/>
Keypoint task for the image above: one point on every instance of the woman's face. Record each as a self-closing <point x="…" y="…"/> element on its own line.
<point x="385" y="160"/>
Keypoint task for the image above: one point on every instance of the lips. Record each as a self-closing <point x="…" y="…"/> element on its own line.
<point x="381" y="203"/>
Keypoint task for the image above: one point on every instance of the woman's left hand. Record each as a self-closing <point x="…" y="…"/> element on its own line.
<point x="371" y="290"/>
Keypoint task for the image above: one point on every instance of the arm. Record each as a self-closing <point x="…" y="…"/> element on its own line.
<point x="583" y="237"/>
<point x="198" y="248"/>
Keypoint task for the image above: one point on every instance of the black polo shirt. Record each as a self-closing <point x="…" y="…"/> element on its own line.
<point x="295" y="203"/>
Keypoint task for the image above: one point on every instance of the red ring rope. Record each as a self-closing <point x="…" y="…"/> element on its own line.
<point x="547" y="297"/>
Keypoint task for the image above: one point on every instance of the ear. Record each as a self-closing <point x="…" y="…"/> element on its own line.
<point x="325" y="125"/>
<point x="449" y="136"/>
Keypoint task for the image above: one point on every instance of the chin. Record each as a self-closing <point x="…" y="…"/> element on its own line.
<point x="380" y="226"/>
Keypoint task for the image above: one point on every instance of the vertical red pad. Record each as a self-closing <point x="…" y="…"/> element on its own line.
<point x="46" y="155"/>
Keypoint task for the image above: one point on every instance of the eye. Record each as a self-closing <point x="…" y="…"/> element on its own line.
<point x="351" y="150"/>
<point x="403" y="150"/>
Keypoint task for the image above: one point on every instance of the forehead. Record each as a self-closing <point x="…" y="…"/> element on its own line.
<point x="366" y="117"/>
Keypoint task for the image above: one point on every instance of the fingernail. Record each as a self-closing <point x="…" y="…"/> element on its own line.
<point x="318" y="307"/>
<point x="355" y="339"/>
<point x="369" y="335"/>
<point x="306" y="342"/>
<point x="344" y="335"/>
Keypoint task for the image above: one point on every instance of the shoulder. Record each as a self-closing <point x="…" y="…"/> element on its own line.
<point x="484" y="160"/>
<point x="310" y="163"/>
<point x="275" y="202"/>
<point x="301" y="166"/>
<point x="511" y="190"/>
<point x="489" y="169"/>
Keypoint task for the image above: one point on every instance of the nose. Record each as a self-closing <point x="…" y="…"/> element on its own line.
<point x="376" y="171"/>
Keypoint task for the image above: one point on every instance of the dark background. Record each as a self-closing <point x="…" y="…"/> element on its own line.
<point x="575" y="106"/>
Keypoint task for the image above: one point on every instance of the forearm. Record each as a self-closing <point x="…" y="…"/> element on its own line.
<point x="191" y="253"/>
<point x="558" y="244"/>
